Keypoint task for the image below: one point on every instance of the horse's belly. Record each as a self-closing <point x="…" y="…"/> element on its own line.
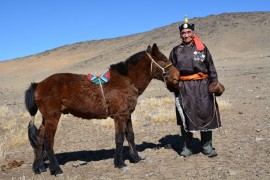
<point x="85" y="108"/>
<point x="90" y="103"/>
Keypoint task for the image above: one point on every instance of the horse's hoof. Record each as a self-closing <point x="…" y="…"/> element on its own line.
<point x="120" y="165"/>
<point x="57" y="172"/>
<point x="39" y="170"/>
<point x="136" y="159"/>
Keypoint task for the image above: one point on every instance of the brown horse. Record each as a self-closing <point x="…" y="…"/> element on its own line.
<point x="73" y="93"/>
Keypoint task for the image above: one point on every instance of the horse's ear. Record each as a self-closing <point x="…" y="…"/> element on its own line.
<point x="149" y="49"/>
<point x="155" y="49"/>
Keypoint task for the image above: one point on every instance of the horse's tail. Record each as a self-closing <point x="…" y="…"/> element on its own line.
<point x="29" y="100"/>
<point x="32" y="108"/>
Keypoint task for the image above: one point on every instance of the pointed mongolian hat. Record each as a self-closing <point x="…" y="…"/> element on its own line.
<point x="186" y="25"/>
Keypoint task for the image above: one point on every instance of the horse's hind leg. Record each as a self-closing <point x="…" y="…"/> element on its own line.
<point x="120" y="126"/>
<point x="50" y="130"/>
<point x="130" y="138"/>
<point x="38" y="165"/>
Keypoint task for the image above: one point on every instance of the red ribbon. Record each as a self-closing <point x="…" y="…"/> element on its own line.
<point x="198" y="43"/>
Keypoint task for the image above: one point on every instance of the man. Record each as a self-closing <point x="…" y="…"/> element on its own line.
<point x="196" y="108"/>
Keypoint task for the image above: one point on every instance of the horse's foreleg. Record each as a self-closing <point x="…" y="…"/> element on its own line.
<point x="50" y="128"/>
<point x="130" y="138"/>
<point x="120" y="126"/>
<point x="38" y="165"/>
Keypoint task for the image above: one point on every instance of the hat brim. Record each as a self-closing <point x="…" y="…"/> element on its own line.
<point x="187" y="26"/>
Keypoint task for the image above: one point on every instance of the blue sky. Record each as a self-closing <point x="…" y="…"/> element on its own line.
<point x="32" y="26"/>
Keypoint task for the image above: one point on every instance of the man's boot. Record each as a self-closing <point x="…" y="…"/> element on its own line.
<point x="206" y="141"/>
<point x="186" y="151"/>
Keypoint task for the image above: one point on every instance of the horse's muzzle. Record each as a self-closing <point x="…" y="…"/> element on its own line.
<point x="175" y="81"/>
<point x="167" y="77"/>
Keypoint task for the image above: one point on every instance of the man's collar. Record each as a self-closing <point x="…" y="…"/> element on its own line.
<point x="191" y="44"/>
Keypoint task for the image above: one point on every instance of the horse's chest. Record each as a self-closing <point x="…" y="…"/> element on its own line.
<point x="122" y="100"/>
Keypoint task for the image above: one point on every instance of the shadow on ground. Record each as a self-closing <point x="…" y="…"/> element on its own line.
<point x="174" y="142"/>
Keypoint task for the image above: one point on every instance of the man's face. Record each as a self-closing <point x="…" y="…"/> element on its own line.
<point x="187" y="35"/>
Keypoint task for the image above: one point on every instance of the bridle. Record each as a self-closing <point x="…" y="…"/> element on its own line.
<point x="164" y="74"/>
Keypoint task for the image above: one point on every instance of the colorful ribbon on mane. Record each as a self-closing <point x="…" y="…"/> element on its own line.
<point x="97" y="79"/>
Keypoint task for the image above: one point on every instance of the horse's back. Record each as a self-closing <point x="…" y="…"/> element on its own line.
<point x="67" y="93"/>
<point x="59" y="85"/>
<point x="74" y="94"/>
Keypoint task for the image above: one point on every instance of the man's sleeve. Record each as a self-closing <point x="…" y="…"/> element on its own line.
<point x="212" y="73"/>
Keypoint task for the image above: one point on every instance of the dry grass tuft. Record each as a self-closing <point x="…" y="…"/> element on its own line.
<point x="105" y="123"/>
<point x="13" y="129"/>
<point x="155" y="110"/>
<point x="224" y="104"/>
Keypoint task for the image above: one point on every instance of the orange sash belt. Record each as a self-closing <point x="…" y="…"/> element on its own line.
<point x="197" y="76"/>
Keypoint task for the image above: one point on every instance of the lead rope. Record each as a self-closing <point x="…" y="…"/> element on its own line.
<point x="214" y="114"/>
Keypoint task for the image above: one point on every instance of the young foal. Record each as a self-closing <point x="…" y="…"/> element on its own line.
<point x="73" y="93"/>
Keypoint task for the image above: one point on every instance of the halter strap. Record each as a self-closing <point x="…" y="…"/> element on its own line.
<point x="153" y="61"/>
<point x="163" y="69"/>
<point x="168" y="66"/>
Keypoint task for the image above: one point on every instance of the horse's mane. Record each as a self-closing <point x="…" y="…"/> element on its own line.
<point x="122" y="67"/>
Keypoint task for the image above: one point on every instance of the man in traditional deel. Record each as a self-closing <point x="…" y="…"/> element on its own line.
<point x="196" y="106"/>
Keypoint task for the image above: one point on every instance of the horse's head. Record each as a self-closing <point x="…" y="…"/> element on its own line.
<point x="161" y="67"/>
